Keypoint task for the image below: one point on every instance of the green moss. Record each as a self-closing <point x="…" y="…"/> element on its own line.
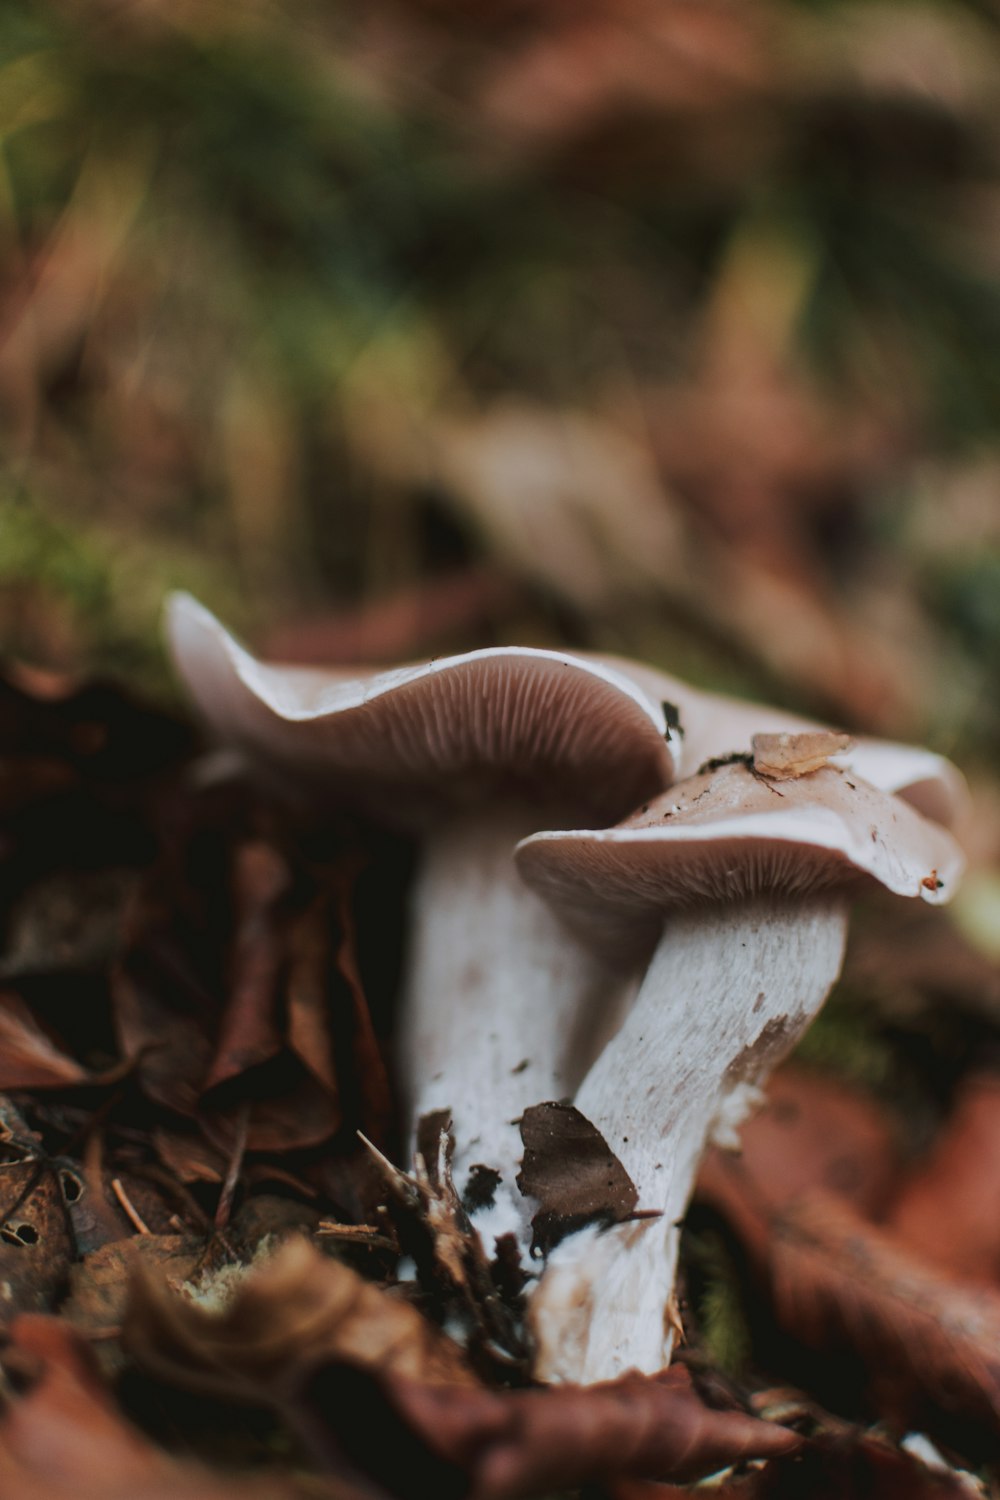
<point x="109" y="588"/>
<point x="725" y="1335"/>
<point x="844" y="1039"/>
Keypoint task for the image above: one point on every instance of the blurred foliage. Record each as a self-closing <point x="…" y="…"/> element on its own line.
<point x="672" y="329"/>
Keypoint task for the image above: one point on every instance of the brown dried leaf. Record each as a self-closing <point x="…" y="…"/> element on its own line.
<point x="816" y="1131"/>
<point x="408" y="624"/>
<point x="784" y="757"/>
<point x="572" y="1171"/>
<point x="248" y="1034"/>
<point x="931" y="1345"/>
<point x="849" y="1466"/>
<point x="840" y="1465"/>
<point x="29" y="1058"/>
<point x="501" y="1445"/>
<point x="99" y="1283"/>
<point x="190" y="1157"/>
<point x="948" y="1211"/>
<point x="367" y="1093"/>
<point x="36" y="1243"/>
<point x="298" y="1309"/>
<point x="217" y="919"/>
<point x="64" y="1440"/>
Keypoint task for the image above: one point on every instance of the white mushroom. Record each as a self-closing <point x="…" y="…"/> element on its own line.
<point x="742" y="884"/>
<point x="715" y="726"/>
<point x="472" y="752"/>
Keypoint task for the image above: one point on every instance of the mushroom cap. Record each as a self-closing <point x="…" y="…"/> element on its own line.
<point x="730" y="835"/>
<point x="715" y="726"/>
<point x="408" y="742"/>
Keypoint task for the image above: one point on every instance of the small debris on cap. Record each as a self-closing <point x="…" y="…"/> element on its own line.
<point x="784" y="757"/>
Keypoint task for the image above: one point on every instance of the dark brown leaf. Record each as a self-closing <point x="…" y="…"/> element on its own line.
<point x="572" y="1171"/>
<point x="848" y="1465"/>
<point x="224" y="993"/>
<point x="817" y="1132"/>
<point x="948" y="1211"/>
<point x="248" y="1034"/>
<point x="498" y="1446"/>
<point x="36" y="1243"/>
<point x="64" y="1440"/>
<point x="838" y="1283"/>
<point x="368" y="1094"/>
<point x="29" y="1058"/>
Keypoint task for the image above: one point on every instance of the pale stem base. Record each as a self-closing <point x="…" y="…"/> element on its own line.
<point x="727" y="994"/>
<point x="504" y="1009"/>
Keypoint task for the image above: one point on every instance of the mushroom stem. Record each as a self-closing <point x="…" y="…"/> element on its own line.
<point x="728" y="992"/>
<point x="503" y="1010"/>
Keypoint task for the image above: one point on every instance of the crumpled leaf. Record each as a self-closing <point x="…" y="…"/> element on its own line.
<point x="842" y="1465"/>
<point x="64" y="1440"/>
<point x="948" y="1210"/>
<point x="343" y="1359"/>
<point x="99" y="1284"/>
<point x="496" y="1445"/>
<point x="238" y="986"/>
<point x="572" y="1171"/>
<point x="36" y="1242"/>
<point x="930" y="1345"/>
<point x="29" y="1059"/>
<point x="815" y="1131"/>
<point x="292" y="1312"/>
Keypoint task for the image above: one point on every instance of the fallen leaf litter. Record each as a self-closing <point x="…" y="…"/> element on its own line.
<point x="114" y="1165"/>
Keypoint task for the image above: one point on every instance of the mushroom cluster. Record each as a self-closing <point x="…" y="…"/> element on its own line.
<point x="729" y="888"/>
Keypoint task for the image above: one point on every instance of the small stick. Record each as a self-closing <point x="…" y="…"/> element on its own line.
<point x="228" y="1193"/>
<point x="128" y="1207"/>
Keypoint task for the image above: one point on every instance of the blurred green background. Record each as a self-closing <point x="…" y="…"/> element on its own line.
<point x="667" y="327"/>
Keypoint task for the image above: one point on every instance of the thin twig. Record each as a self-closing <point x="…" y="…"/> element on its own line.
<point x="228" y="1193"/>
<point x="128" y="1207"/>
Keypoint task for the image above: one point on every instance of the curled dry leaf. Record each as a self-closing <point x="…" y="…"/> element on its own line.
<point x="192" y="1054"/>
<point x="818" y="1161"/>
<point x="572" y="1171"/>
<point x="839" y="1283"/>
<point x="29" y="1058"/>
<point x="948" y="1211"/>
<point x="848" y="1465"/>
<point x="226" y="914"/>
<point x="815" y="1131"/>
<point x="64" y="1440"/>
<point x="290" y="1313"/>
<point x="501" y="1445"/>
<point x="343" y="1359"/>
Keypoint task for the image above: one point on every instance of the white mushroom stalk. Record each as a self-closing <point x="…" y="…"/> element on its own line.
<point x="748" y="882"/>
<point x="472" y="752"/>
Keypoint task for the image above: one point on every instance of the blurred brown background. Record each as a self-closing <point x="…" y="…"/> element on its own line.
<point x="666" y="327"/>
